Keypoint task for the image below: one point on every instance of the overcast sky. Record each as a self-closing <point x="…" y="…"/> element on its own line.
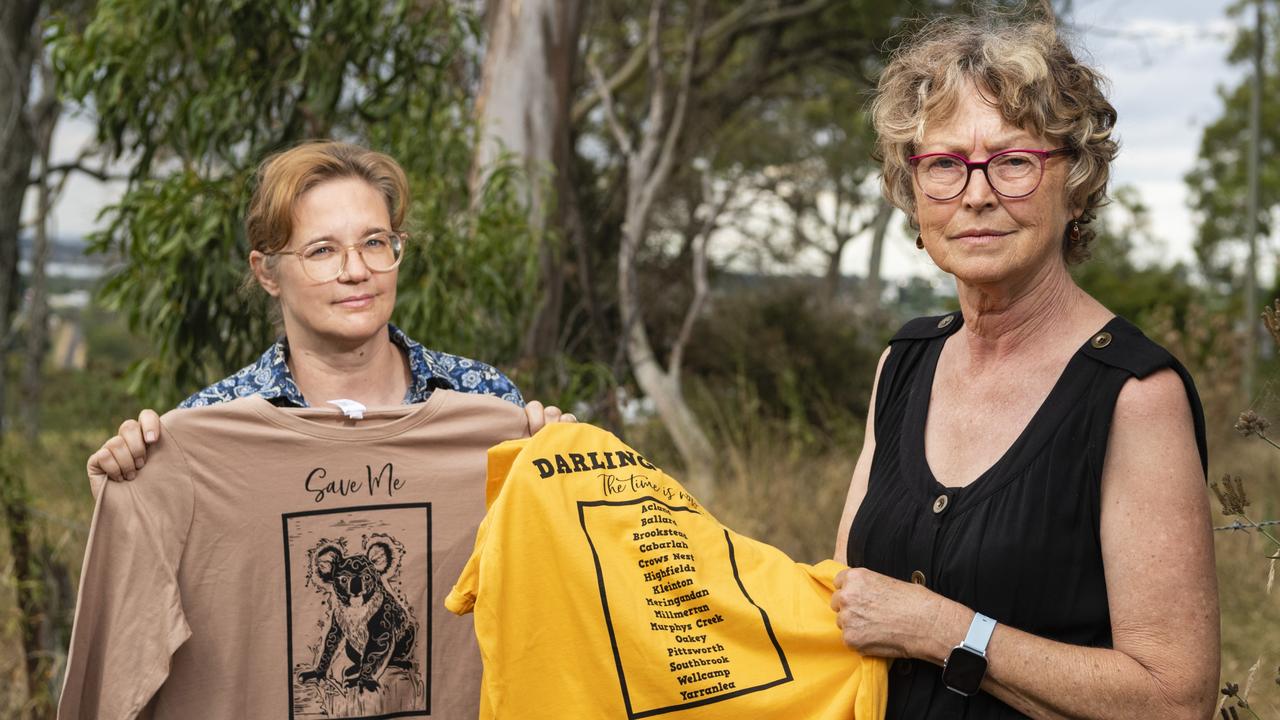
<point x="1165" y="59"/>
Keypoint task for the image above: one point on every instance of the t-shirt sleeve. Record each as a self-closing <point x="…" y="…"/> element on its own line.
<point x="462" y="598"/>
<point x="129" y="619"/>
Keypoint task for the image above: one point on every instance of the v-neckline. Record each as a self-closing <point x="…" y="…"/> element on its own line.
<point x="1005" y="467"/>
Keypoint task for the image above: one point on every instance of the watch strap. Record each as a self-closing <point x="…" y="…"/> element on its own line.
<point x="979" y="634"/>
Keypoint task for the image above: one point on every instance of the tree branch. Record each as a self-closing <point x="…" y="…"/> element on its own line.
<point x="784" y="15"/>
<point x="701" y="290"/>
<point x="624" y="75"/>
<point x="737" y="21"/>
<point x="78" y="166"/>
<point x="657" y="115"/>
<point x="674" y="131"/>
<point x="611" y="117"/>
<point x="751" y="85"/>
<point x="631" y="68"/>
<point x="676" y="359"/>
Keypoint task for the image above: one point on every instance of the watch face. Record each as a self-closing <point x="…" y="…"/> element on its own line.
<point x="964" y="671"/>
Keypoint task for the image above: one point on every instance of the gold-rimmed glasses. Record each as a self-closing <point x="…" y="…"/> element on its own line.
<point x="327" y="259"/>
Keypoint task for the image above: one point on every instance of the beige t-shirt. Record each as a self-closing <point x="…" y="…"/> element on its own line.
<point x="285" y="563"/>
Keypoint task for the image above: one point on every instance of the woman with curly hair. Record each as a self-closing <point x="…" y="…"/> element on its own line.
<point x="1027" y="524"/>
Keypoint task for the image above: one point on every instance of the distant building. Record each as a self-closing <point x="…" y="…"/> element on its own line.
<point x="72" y="273"/>
<point x="67" y="259"/>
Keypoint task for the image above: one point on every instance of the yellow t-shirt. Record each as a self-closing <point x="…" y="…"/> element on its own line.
<point x="602" y="589"/>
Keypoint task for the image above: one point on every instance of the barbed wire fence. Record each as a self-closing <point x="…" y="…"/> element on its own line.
<point x="1237" y="525"/>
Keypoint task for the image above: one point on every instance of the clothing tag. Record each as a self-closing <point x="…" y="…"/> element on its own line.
<point x="350" y="408"/>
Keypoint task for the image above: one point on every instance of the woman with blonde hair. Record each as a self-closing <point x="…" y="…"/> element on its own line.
<point x="326" y="231"/>
<point x="1027" y="524"/>
<point x="184" y="595"/>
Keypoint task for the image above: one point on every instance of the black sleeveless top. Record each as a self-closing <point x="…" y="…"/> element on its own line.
<point x="1020" y="543"/>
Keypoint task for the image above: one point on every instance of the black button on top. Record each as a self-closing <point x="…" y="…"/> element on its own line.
<point x="946" y="321"/>
<point x="917" y="577"/>
<point x="1101" y="340"/>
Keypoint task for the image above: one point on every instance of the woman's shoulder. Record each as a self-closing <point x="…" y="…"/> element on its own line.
<point x="928" y="327"/>
<point x="1123" y="345"/>
<point x="464" y="375"/>
<point x="908" y="352"/>
<point x="431" y="369"/>
<point x="267" y="376"/>
<point x="1158" y="387"/>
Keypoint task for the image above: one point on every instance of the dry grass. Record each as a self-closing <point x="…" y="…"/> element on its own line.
<point x="61" y="509"/>
<point x="1250" y="620"/>
<point x="1250" y="609"/>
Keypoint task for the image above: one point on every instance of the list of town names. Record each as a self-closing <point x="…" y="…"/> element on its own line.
<point x="683" y="613"/>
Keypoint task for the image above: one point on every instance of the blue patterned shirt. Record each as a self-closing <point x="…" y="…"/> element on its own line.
<point x="429" y="370"/>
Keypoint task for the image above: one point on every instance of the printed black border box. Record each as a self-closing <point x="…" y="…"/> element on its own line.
<point x="670" y="588"/>
<point x="358" y="611"/>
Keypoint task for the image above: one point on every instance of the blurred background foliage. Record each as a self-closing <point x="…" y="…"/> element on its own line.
<point x="515" y="254"/>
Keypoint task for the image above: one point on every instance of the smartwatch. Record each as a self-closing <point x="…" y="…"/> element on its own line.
<point x="967" y="664"/>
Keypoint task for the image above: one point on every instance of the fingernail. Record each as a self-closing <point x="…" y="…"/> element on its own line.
<point x="139" y="463"/>
<point x="130" y="475"/>
<point x="151" y="437"/>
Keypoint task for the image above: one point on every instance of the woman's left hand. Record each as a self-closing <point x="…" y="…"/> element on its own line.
<point x="889" y="618"/>
<point x="540" y="416"/>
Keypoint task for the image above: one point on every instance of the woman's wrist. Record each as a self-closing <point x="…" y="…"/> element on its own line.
<point x="950" y="624"/>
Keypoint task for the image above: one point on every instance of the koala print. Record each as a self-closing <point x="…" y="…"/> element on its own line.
<point x="375" y="629"/>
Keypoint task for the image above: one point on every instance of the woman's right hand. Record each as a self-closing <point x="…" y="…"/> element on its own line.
<point x="541" y="416"/>
<point x="121" y="457"/>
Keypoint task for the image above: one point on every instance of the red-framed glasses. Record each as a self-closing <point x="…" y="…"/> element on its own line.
<point x="1011" y="174"/>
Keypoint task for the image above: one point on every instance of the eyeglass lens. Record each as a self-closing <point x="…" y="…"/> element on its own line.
<point x="326" y="260"/>
<point x="1013" y="174"/>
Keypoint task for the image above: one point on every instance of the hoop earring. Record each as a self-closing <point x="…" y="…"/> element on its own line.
<point x="919" y="243"/>
<point x="1074" y="233"/>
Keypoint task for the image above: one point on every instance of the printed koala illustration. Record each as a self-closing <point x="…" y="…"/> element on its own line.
<point x="379" y="631"/>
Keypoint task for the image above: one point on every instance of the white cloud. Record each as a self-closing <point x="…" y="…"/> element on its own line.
<point x="1165" y="61"/>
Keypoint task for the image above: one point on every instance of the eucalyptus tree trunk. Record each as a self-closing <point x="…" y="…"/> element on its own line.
<point x="44" y="119"/>
<point x="524" y="111"/>
<point x="649" y="166"/>
<point x="873" y="286"/>
<point x="17" y="55"/>
<point x="19" y="48"/>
